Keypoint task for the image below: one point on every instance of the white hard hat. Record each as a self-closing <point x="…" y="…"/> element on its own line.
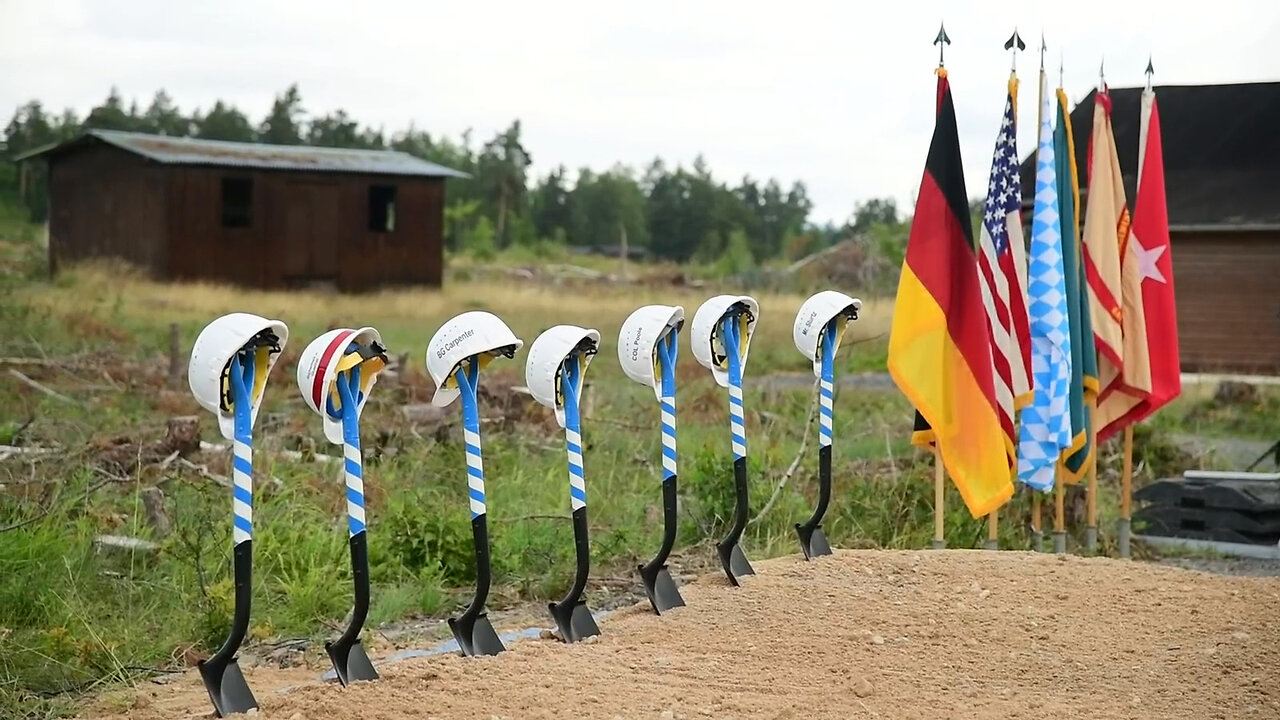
<point x="472" y="333"/>
<point x="542" y="369"/>
<point x="814" y="315"/>
<point x="708" y="345"/>
<point x="209" y="371"/>
<point x="330" y="354"/>
<point x="638" y="342"/>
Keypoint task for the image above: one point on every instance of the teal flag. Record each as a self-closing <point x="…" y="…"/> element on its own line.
<point x="1084" y="358"/>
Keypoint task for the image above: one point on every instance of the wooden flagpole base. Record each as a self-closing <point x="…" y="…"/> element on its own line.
<point x="1091" y="522"/>
<point x="993" y="530"/>
<point x="1059" y="514"/>
<point x="1126" y="493"/>
<point x="1035" y="521"/>
<point x="939" y="497"/>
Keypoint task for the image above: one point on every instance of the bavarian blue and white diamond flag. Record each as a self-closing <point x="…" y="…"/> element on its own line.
<point x="1046" y="423"/>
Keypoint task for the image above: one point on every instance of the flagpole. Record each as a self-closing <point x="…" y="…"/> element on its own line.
<point x="1037" y="524"/>
<point x="1091" y="521"/>
<point x="1126" y="476"/>
<point x="1059" y="512"/>
<point x="1059" y="483"/>
<point x="939" y="496"/>
<point x="1127" y="468"/>
<point x="1036" y="532"/>
<point x="1013" y="44"/>
<point x="939" y="470"/>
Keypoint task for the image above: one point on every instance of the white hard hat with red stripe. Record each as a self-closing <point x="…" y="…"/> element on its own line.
<point x="333" y="352"/>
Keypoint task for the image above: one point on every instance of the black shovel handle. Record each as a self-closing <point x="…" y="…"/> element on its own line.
<point x="243" y="571"/>
<point x="582" y="548"/>
<point x="480" y="537"/>
<point x="669" y="496"/>
<point x="740" y="505"/>
<point x="824" y="490"/>
<point x="360" y="577"/>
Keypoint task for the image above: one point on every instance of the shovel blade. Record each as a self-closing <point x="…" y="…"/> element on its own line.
<point x="574" y="622"/>
<point x="476" y="636"/>
<point x="227" y="688"/>
<point x="661" y="589"/>
<point x="351" y="662"/>
<point x="813" y="542"/>
<point x="735" y="562"/>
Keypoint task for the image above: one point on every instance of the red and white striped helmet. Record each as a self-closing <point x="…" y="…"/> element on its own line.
<point x="326" y="356"/>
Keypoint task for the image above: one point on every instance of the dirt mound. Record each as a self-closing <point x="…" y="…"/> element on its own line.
<point x="954" y="633"/>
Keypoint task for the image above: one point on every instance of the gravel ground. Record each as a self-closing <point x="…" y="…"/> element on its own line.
<point x="875" y="634"/>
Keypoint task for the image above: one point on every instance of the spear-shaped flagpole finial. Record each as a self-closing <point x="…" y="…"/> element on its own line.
<point x="1015" y="44"/>
<point x="1060" y="64"/>
<point x="1149" y="72"/>
<point x="941" y="41"/>
<point x="1043" y="47"/>
<point x="1102" y="75"/>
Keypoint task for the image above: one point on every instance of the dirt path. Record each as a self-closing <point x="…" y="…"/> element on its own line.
<point x="865" y="634"/>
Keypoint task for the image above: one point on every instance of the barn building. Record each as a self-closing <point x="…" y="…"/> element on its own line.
<point x="265" y="216"/>
<point x="1222" y="177"/>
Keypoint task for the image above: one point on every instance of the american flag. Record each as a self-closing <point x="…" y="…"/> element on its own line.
<point x="1002" y="266"/>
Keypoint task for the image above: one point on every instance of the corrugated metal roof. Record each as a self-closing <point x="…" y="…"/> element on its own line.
<point x="1221" y="158"/>
<point x="194" y="151"/>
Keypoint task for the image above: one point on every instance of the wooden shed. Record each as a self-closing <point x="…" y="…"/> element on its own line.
<point x="267" y="216"/>
<point x="1222" y="177"/>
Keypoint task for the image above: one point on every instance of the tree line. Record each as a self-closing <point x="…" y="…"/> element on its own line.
<point x="671" y="213"/>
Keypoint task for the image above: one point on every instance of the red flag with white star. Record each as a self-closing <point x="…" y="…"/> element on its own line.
<point x="1150" y="251"/>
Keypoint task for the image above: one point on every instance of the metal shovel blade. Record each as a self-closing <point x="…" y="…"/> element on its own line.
<point x="661" y="588"/>
<point x="574" y="622"/>
<point x="476" y="636"/>
<point x="813" y="542"/>
<point x="350" y="662"/>
<point x="734" y="561"/>
<point x="227" y="688"/>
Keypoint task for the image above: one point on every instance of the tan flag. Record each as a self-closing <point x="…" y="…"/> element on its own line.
<point x="1115" y="295"/>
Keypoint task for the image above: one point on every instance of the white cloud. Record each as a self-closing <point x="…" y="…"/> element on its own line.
<point x="837" y="94"/>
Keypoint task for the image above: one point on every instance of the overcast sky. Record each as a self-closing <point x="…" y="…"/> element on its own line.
<point x="832" y="93"/>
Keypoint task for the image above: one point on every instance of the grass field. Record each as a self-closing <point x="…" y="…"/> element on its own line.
<point x="75" y="615"/>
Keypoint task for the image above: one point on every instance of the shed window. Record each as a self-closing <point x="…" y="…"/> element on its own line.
<point x="237" y="200"/>
<point x="382" y="208"/>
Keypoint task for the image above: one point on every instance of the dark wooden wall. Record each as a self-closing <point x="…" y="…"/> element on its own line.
<point x="106" y="203"/>
<point x="305" y="228"/>
<point x="1228" y="295"/>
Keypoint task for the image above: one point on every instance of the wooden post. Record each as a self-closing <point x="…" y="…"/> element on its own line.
<point x="993" y="530"/>
<point x="1126" y="492"/>
<point x="1059" y="512"/>
<point x="175" y="355"/>
<point x="1091" y="521"/>
<point x="939" y="496"/>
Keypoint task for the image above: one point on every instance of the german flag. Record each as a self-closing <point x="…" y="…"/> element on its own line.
<point x="940" y="344"/>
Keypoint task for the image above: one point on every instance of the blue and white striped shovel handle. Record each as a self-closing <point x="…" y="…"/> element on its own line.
<point x="349" y="393"/>
<point x="667" y="361"/>
<point x="827" y="385"/>
<point x="242" y="371"/>
<point x="471" y="434"/>
<point x="570" y="380"/>
<point x="737" y="414"/>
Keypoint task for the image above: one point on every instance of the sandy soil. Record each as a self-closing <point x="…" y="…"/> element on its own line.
<point x="862" y="634"/>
